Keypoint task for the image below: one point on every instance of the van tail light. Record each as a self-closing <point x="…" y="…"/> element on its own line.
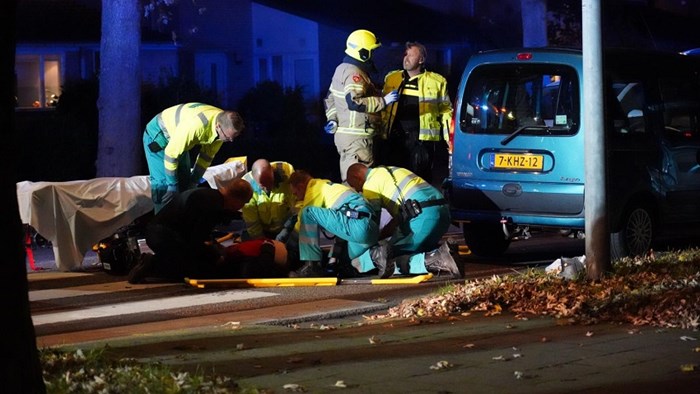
<point x="452" y="132"/>
<point x="524" y="56"/>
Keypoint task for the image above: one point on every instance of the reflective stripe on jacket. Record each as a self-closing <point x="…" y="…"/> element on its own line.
<point x="323" y="193"/>
<point x="386" y="187"/>
<point x="185" y="126"/>
<point x="434" y="105"/>
<point x="267" y="212"/>
<point x="353" y="101"/>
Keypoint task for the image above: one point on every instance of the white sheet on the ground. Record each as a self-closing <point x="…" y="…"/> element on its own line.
<point x="75" y="215"/>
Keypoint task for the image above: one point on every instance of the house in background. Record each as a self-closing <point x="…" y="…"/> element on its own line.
<point x="228" y="47"/>
<point x="59" y="42"/>
<point x="231" y="46"/>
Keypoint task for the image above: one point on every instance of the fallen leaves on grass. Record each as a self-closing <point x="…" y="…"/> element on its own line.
<point x="659" y="290"/>
<point x="94" y="372"/>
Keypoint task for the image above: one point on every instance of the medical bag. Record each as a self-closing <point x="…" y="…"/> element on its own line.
<point x="119" y="252"/>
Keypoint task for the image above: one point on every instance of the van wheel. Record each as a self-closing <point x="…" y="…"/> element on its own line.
<point x="635" y="235"/>
<point x="485" y="239"/>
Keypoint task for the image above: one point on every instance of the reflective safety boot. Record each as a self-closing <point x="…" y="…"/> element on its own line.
<point x="440" y="260"/>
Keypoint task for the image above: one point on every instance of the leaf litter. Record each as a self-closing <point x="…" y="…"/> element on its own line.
<point x="661" y="289"/>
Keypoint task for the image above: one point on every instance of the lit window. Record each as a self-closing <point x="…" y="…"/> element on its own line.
<point x="38" y="80"/>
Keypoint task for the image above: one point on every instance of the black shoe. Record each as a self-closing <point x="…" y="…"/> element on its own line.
<point x="142" y="269"/>
<point x="380" y="258"/>
<point x="344" y="270"/>
<point x="310" y="269"/>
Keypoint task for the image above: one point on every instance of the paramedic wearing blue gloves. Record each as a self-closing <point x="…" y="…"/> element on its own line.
<point x="169" y="137"/>
<point x="420" y="217"/>
<point x="341" y="211"/>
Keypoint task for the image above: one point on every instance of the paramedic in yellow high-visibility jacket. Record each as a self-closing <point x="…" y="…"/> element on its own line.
<point x="169" y="137"/>
<point x="341" y="211"/>
<point x="268" y="213"/>
<point x="419" y="214"/>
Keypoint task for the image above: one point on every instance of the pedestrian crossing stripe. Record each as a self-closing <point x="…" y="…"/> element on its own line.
<point x="154" y="305"/>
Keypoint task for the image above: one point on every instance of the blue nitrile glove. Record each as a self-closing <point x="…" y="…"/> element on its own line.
<point x="287" y="229"/>
<point x="169" y="194"/>
<point x="331" y="127"/>
<point x="391" y="97"/>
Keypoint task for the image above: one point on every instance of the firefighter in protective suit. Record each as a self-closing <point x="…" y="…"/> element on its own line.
<point x="420" y="118"/>
<point x="353" y="104"/>
<point x="341" y="211"/>
<point x="169" y="137"/>
<point x="419" y="217"/>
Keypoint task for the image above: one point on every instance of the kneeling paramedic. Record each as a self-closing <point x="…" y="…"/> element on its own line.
<point x="342" y="212"/>
<point x="419" y="217"/>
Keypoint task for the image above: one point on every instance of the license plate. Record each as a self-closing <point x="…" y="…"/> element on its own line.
<point x="517" y="161"/>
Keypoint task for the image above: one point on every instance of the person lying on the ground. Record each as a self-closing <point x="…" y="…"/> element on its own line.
<point x="257" y="258"/>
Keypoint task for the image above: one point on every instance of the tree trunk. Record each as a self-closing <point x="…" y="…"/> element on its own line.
<point x="534" y="16"/>
<point x="119" y="149"/>
<point x="21" y="370"/>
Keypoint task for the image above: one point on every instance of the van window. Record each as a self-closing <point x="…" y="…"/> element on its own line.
<point x="681" y="110"/>
<point x="628" y="107"/>
<point x="535" y="99"/>
<point x="681" y="132"/>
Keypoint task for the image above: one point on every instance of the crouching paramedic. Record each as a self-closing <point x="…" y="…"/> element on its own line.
<point x="181" y="234"/>
<point x="340" y="211"/>
<point x="169" y="137"/>
<point x="419" y="217"/>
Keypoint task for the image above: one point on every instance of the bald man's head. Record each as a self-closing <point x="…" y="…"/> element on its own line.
<point x="263" y="174"/>
<point x="357" y="173"/>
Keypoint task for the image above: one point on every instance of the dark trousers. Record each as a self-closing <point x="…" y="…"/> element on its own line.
<point x="176" y="258"/>
<point x="403" y="149"/>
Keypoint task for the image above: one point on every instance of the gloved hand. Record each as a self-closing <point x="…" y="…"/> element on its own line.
<point x="196" y="177"/>
<point x="168" y="196"/>
<point x="287" y="229"/>
<point x="391" y="97"/>
<point x="331" y="127"/>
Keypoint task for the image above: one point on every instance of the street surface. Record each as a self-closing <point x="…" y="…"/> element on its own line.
<point x="82" y="306"/>
<point x="323" y="339"/>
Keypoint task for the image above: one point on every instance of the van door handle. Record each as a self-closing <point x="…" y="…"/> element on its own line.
<point x="512" y="189"/>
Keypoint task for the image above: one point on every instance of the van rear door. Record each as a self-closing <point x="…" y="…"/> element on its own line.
<point x="520" y="148"/>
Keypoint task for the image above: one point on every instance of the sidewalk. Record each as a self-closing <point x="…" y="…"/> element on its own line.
<point x="464" y="354"/>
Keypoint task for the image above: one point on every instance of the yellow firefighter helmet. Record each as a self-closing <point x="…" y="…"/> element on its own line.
<point x="360" y="45"/>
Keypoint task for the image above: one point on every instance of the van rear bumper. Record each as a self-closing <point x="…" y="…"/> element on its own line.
<point x="466" y="216"/>
<point x="537" y="203"/>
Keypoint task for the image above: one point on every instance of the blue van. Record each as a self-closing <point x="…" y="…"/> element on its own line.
<point x="518" y="148"/>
